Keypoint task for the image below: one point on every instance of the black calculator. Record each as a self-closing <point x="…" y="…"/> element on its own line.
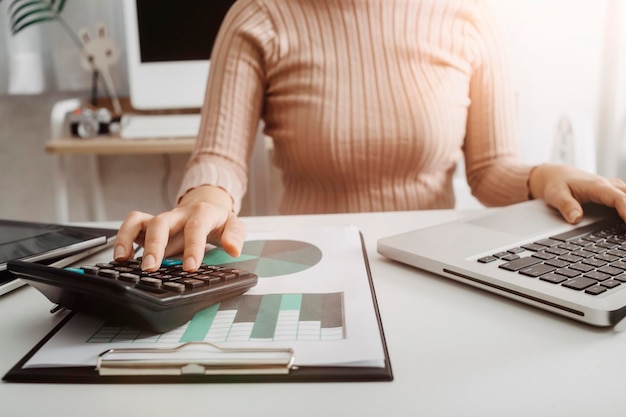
<point x="158" y="301"/>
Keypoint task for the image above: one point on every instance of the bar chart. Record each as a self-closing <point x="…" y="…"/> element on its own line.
<point x="268" y="317"/>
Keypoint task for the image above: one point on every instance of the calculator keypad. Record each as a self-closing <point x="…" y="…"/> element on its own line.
<point x="169" y="279"/>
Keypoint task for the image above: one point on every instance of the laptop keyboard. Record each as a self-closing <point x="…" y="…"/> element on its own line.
<point x="590" y="258"/>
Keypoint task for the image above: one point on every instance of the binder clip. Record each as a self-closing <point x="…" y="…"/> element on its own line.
<point x="195" y="358"/>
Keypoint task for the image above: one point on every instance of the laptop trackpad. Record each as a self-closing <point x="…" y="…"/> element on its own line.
<point x="524" y="223"/>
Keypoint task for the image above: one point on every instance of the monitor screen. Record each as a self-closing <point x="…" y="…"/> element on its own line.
<point x="168" y="47"/>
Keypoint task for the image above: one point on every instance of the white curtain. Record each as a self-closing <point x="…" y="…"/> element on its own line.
<point x="44" y="58"/>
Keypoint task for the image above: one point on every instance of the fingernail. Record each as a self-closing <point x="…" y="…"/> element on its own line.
<point x="148" y="262"/>
<point x="574" y="215"/>
<point x="119" y="252"/>
<point x="190" y="263"/>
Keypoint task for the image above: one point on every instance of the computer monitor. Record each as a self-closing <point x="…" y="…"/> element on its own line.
<point x="168" y="46"/>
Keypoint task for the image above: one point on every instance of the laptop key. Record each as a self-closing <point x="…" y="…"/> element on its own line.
<point x="533" y="247"/>
<point x="597" y="276"/>
<point x="553" y="278"/>
<point x="537" y="270"/>
<point x="580" y="283"/>
<point x="568" y="272"/>
<point x="610" y="284"/>
<point x="610" y="270"/>
<point x="487" y="259"/>
<point x="548" y="242"/>
<point x="557" y="263"/>
<point x="520" y="263"/>
<point x="595" y="290"/>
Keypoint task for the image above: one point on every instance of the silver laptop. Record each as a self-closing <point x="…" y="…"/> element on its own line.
<point x="527" y="252"/>
<point x="51" y="244"/>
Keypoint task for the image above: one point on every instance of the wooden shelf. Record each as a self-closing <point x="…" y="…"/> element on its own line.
<point x="113" y="145"/>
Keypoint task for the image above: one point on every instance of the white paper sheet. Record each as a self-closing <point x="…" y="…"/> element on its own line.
<point x="338" y="282"/>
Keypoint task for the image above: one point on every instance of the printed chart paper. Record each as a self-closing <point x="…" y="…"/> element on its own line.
<point x="313" y="296"/>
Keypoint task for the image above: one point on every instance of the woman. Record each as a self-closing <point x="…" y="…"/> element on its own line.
<point x="370" y="104"/>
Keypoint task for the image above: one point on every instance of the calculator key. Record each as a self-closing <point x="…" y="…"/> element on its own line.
<point x="171" y="262"/>
<point x="90" y="269"/>
<point x="192" y="283"/>
<point x="209" y="280"/>
<point x="151" y="282"/>
<point x="222" y="275"/>
<point x="128" y="277"/>
<point x="109" y="273"/>
<point x="174" y="286"/>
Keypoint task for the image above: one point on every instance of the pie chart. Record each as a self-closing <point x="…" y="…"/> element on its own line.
<point x="269" y="258"/>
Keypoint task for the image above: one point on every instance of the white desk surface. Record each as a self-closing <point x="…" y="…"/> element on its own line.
<point x="455" y="351"/>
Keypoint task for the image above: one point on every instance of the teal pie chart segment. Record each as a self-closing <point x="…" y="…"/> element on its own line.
<point x="269" y="258"/>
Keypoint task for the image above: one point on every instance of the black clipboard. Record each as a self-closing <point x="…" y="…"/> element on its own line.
<point x="280" y="371"/>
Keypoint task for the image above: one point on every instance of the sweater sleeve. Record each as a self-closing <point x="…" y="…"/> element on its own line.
<point x="493" y="170"/>
<point x="232" y="104"/>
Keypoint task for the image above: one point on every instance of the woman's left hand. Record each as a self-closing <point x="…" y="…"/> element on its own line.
<point x="566" y="188"/>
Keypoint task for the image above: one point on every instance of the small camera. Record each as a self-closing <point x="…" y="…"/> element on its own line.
<point x="87" y="123"/>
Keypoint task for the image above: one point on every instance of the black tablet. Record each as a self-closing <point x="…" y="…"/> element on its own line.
<point x="46" y="243"/>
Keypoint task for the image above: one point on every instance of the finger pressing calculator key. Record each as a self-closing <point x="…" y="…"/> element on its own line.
<point x="159" y="301"/>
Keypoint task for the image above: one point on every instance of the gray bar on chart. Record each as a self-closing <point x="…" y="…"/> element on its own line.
<point x="311" y="308"/>
<point x="332" y="310"/>
<point x="230" y="304"/>
<point x="248" y="308"/>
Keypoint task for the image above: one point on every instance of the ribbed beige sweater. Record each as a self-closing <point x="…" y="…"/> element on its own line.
<point x="370" y="103"/>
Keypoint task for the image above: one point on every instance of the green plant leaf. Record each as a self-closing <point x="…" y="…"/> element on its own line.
<point x="24" y="13"/>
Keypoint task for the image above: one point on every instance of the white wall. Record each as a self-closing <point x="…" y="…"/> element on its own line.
<point x="568" y="59"/>
<point x="561" y="68"/>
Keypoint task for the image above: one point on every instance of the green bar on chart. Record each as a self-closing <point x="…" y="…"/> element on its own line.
<point x="200" y="324"/>
<point x="267" y="317"/>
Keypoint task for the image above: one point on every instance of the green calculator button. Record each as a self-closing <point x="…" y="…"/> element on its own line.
<point x="171" y="262"/>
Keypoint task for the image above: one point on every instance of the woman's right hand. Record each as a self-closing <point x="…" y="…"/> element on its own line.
<point x="203" y="216"/>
